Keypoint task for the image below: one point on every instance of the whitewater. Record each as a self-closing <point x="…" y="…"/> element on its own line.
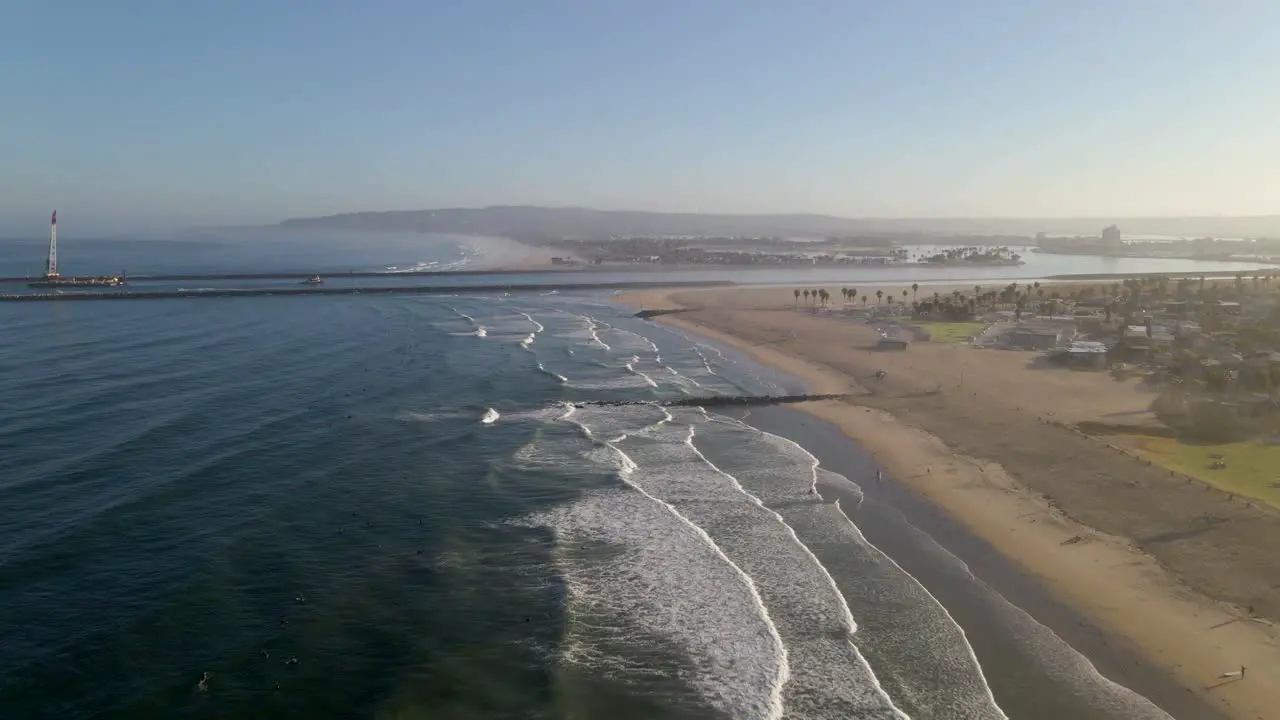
<point x="739" y="566"/>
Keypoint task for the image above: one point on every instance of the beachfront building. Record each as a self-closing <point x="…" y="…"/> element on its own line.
<point x="1036" y="338"/>
<point x="1082" y="354"/>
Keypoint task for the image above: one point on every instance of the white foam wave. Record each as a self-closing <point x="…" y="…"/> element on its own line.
<point x="614" y="424"/>
<point x="527" y="341"/>
<point x="723" y="623"/>
<point x="477" y="329"/>
<point x="623" y="382"/>
<point x="683" y="383"/>
<point x="538" y="327"/>
<point x="627" y="340"/>
<point x="590" y="330"/>
<point x="488" y="417"/>
<point x="934" y="665"/>
<point x="828" y="677"/>
<point x="553" y="374"/>
<point x="631" y="369"/>
<point x="704" y="353"/>
<point x="569" y="409"/>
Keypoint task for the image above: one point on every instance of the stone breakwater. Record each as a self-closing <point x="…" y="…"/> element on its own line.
<point x="311" y="290"/>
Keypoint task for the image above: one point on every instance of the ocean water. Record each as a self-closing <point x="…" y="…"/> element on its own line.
<point x="242" y="250"/>
<point x="390" y="506"/>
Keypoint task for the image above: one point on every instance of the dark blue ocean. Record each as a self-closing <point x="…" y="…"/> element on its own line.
<point x="390" y="507"/>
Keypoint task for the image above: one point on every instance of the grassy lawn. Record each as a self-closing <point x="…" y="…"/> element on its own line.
<point x="951" y="332"/>
<point x="1252" y="467"/>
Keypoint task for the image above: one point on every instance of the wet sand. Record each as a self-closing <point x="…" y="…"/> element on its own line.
<point x="1040" y="657"/>
<point x="1163" y="613"/>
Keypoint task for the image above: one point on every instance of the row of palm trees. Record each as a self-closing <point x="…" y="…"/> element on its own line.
<point x="1124" y="296"/>
<point x="954" y="305"/>
<point x="822" y="297"/>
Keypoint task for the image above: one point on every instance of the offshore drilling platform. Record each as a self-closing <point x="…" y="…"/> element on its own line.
<point x="51" y="277"/>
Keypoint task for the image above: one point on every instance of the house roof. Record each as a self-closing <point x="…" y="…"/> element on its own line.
<point x="1086" y="346"/>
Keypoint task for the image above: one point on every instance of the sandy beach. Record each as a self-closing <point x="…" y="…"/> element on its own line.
<point x="1186" y="577"/>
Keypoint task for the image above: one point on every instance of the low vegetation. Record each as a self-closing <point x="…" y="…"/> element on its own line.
<point x="1250" y="469"/>
<point x="950" y="332"/>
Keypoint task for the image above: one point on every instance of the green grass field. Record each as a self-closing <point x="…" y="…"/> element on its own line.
<point x="950" y="332"/>
<point x="1253" y="469"/>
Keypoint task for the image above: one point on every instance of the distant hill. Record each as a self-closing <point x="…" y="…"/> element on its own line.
<point x="532" y="222"/>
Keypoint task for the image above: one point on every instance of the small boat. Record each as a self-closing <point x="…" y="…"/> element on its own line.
<point x="313" y="280"/>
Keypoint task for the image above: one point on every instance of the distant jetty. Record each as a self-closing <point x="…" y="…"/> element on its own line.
<point x="305" y="275"/>
<point x="129" y="294"/>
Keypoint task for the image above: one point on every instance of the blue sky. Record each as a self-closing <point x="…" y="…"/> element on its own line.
<point x="229" y="111"/>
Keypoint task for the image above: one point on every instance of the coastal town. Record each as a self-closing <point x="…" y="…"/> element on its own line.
<point x="1116" y="437"/>
<point x="775" y="252"/>
<point x="1210" y="348"/>
<point x="896" y="249"/>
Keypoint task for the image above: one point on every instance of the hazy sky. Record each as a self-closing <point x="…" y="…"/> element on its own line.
<point x="141" y="111"/>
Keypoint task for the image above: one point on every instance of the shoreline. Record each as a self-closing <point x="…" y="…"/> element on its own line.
<point x="1133" y="600"/>
<point x="1040" y="657"/>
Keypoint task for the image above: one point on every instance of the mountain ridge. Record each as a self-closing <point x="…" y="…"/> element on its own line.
<point x="535" y="221"/>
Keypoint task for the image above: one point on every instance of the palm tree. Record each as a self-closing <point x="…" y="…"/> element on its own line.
<point x="904" y="297"/>
<point x="879" y="294"/>
<point x="864" y="299"/>
<point x="853" y="294"/>
<point x="915" y="287"/>
<point x="806" y="296"/>
<point x="797" y="294"/>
